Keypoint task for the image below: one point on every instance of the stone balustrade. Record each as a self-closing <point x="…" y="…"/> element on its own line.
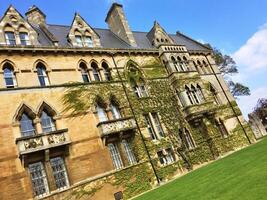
<point x="115" y="126"/>
<point x="42" y="141"/>
<point x="198" y="110"/>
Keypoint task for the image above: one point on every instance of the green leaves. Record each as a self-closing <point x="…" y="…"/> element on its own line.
<point x="228" y="67"/>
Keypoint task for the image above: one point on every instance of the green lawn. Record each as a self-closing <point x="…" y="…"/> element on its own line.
<point x="242" y="175"/>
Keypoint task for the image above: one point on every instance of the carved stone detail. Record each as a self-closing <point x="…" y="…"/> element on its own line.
<point x="120" y="125"/>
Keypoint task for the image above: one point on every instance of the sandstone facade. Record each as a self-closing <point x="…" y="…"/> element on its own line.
<point x="158" y="106"/>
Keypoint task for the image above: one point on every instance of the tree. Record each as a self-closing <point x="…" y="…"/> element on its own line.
<point x="261" y="108"/>
<point x="228" y="67"/>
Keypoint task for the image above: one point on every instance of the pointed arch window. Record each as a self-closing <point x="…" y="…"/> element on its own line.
<point x="200" y="68"/>
<point x="115" y="155"/>
<point x="182" y="65"/>
<point x="200" y="94"/>
<point x="84" y="72"/>
<point x="88" y="41"/>
<point x="175" y="63"/>
<point x="79" y="41"/>
<point x="95" y="70"/>
<point x="26" y="125"/>
<point x="10" y="38"/>
<point x="115" y="111"/>
<point x="47" y="122"/>
<point x="195" y="95"/>
<point x="42" y="75"/>
<point x="189" y="95"/>
<point x="106" y="70"/>
<point x="215" y="95"/>
<point x="139" y="89"/>
<point x="102" y="116"/>
<point x="24" y="38"/>
<point x="9" y="76"/>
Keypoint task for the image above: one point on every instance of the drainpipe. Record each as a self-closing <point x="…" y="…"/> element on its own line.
<point x="229" y="101"/>
<point x="132" y="110"/>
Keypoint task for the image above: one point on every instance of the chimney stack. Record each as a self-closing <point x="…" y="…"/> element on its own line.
<point x="35" y="16"/>
<point x="118" y="24"/>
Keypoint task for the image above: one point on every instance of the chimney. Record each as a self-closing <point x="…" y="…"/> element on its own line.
<point x="35" y="16"/>
<point x="118" y="24"/>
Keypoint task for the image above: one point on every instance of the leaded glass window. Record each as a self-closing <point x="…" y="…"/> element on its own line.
<point x="129" y="152"/>
<point x="115" y="156"/>
<point x="38" y="178"/>
<point x="59" y="172"/>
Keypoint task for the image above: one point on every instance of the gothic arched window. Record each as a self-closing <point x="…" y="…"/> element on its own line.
<point x="47" y="122"/>
<point x="102" y="116"/>
<point x="95" y="70"/>
<point x="26" y="125"/>
<point x="9" y="76"/>
<point x="106" y="70"/>
<point x="42" y="74"/>
<point x="84" y="72"/>
<point x="115" y="111"/>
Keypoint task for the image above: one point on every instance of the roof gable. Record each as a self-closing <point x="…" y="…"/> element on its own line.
<point x="80" y="26"/>
<point x="15" y="22"/>
<point x="157" y="35"/>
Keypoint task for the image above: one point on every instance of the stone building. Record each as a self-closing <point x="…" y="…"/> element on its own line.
<point x="258" y="124"/>
<point x="143" y="107"/>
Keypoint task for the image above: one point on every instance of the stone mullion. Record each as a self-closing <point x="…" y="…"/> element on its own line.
<point x="49" y="172"/>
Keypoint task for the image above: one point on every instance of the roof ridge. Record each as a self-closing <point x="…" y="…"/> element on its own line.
<point x="193" y="40"/>
<point x="58" y="25"/>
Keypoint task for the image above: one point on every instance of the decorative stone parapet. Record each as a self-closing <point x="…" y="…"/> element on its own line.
<point x="115" y="126"/>
<point x="42" y="141"/>
<point x="198" y="110"/>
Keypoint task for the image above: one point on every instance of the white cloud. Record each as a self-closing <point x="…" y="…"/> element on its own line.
<point x="253" y="54"/>
<point x="247" y="103"/>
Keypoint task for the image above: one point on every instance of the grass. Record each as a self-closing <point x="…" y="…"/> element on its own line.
<point x="239" y="176"/>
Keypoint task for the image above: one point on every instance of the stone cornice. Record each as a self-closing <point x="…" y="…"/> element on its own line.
<point x="54" y="49"/>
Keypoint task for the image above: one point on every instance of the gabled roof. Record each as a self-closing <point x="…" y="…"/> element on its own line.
<point x="110" y="40"/>
<point x="76" y="16"/>
<point x="156" y="27"/>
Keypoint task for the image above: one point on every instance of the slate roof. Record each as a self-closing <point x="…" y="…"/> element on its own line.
<point x="110" y="40"/>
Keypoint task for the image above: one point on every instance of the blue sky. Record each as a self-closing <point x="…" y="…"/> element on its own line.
<point x="237" y="27"/>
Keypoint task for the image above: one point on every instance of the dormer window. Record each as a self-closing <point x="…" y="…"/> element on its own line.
<point x="83" y="39"/>
<point x="24" y="38"/>
<point x="79" y="40"/>
<point x="88" y="41"/>
<point x="10" y="38"/>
